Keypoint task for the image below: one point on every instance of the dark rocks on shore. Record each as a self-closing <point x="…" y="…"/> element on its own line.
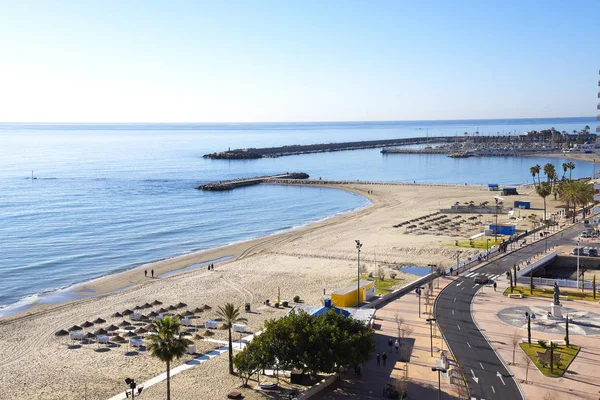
<point x="232" y="184"/>
<point x="234" y="155"/>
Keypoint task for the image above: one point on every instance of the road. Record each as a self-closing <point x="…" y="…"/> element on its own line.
<point x="487" y="377"/>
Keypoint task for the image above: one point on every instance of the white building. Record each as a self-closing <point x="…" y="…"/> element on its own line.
<point x="597" y="175"/>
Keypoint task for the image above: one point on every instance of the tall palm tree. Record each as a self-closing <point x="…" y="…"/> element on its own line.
<point x="544" y="189"/>
<point x="550" y="172"/>
<point x="167" y="343"/>
<point x="230" y="315"/>
<point x="575" y="193"/>
<point x="565" y="167"/>
<point x="535" y="170"/>
<point x="571" y="165"/>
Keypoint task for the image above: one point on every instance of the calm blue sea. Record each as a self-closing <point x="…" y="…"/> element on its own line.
<point x="112" y="196"/>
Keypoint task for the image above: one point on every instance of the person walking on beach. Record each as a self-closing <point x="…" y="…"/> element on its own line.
<point x="396" y="344"/>
<point x="152" y="272"/>
<point x="495" y="285"/>
<point x="146" y="273"/>
<point x="384" y="357"/>
<point x="378" y="359"/>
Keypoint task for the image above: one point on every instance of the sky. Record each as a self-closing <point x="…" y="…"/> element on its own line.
<point x="280" y="61"/>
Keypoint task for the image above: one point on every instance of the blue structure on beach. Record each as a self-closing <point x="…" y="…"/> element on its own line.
<point x="504" y="229"/>
<point x="492" y="187"/>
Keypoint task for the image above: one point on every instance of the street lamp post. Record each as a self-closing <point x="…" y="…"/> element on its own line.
<point x="418" y="291"/>
<point x="433" y="266"/>
<point x="457" y="261"/>
<point x="578" y="251"/>
<point x="431" y="321"/>
<point x="439" y="371"/>
<point x="487" y="248"/>
<point x="132" y="385"/>
<point x="358" y="246"/>
<point x="496" y="227"/>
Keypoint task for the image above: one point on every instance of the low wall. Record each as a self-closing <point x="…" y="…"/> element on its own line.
<point x="318" y="387"/>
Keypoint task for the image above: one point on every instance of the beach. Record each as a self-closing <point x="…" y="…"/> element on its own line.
<point x="302" y="262"/>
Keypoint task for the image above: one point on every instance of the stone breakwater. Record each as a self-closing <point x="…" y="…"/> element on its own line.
<point x="235" y="183"/>
<point x="283" y="181"/>
<point x="273" y="152"/>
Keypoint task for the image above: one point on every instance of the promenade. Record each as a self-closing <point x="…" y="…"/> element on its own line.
<point x="422" y="382"/>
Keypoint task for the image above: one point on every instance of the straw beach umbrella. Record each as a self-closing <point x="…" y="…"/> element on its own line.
<point x="153" y="314"/>
<point x="100" y="332"/>
<point x="89" y="336"/>
<point x="171" y="308"/>
<point x="188" y="313"/>
<point x="140" y="331"/>
<point x="62" y="332"/>
<point x="124" y="323"/>
<point x="137" y="308"/>
<point x="117" y="315"/>
<point x="127" y="312"/>
<point x="198" y="309"/>
<point x="112" y="328"/>
<point x="75" y="328"/>
<point x="129" y="334"/>
<point x="181" y="305"/>
<point x="99" y="321"/>
<point x="156" y="303"/>
<point x="117" y="339"/>
<point x="147" y="305"/>
<point x="207" y="307"/>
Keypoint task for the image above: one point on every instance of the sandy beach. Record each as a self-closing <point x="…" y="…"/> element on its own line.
<point x="38" y="365"/>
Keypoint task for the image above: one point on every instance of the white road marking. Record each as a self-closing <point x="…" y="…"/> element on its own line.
<point x="460" y="283"/>
<point x="462" y="289"/>
<point x="493" y="390"/>
<point x="470" y="274"/>
<point x="458" y="327"/>
<point x="474" y="286"/>
<point x="468" y="345"/>
<point x="499" y="375"/>
<point x="476" y="379"/>
<point x="452" y="312"/>
<point x="481" y="365"/>
<point x="455" y="299"/>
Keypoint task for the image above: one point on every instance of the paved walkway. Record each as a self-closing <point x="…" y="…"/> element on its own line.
<point x="374" y="378"/>
<point x="581" y="381"/>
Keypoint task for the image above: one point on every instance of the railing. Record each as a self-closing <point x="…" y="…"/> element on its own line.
<point x="536" y="264"/>
<point x="550" y="282"/>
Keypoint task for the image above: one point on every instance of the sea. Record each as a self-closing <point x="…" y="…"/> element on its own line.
<point x="110" y="197"/>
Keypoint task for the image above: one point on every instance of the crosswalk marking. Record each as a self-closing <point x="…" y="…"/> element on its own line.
<point x="470" y="274"/>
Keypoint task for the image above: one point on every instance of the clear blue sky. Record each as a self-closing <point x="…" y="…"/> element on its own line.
<point x="240" y="61"/>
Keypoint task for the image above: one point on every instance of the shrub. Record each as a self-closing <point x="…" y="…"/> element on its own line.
<point x="371" y="274"/>
<point x="393" y="275"/>
<point x="296" y="299"/>
<point x="543" y="344"/>
<point x="284" y="303"/>
<point x="276" y="305"/>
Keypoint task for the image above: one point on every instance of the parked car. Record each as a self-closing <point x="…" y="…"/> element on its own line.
<point x="584" y="235"/>
<point x="593" y="253"/>
<point x="577" y="250"/>
<point x="480" y="278"/>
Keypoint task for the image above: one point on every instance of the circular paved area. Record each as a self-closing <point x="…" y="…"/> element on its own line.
<point x="580" y="322"/>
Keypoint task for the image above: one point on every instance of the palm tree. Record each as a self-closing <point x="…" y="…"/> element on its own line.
<point x="230" y="315"/>
<point x="535" y="170"/>
<point x="550" y="172"/>
<point x="575" y="193"/>
<point x="167" y="343"/>
<point x="571" y="165"/>
<point x="565" y="167"/>
<point x="544" y="189"/>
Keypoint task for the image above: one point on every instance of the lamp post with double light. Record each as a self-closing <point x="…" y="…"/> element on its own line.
<point x="439" y="371"/>
<point x="358" y="246"/>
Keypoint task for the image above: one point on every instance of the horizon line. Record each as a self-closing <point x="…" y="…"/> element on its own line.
<point x="286" y="122"/>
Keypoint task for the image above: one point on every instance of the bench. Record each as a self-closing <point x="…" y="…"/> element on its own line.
<point x="515" y="295"/>
<point x="563" y="297"/>
<point x="559" y="342"/>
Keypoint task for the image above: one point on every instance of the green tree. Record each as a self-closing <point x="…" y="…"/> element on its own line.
<point x="248" y="362"/>
<point x="567" y="331"/>
<point x="529" y="329"/>
<point x="167" y="343"/>
<point x="552" y="346"/>
<point x="550" y="172"/>
<point x="571" y="165"/>
<point x="535" y="170"/>
<point x="574" y="193"/>
<point x="531" y="283"/>
<point x="230" y="315"/>
<point x="565" y="167"/>
<point x="544" y="189"/>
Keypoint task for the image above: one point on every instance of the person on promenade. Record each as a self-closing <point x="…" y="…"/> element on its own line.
<point x="152" y="272"/>
<point x="396" y="344"/>
<point x="384" y="357"/>
<point x="146" y="273"/>
<point x="378" y="359"/>
<point x="391" y="344"/>
<point x="495" y="285"/>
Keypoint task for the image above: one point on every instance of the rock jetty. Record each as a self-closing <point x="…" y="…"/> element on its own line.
<point x="235" y="183"/>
